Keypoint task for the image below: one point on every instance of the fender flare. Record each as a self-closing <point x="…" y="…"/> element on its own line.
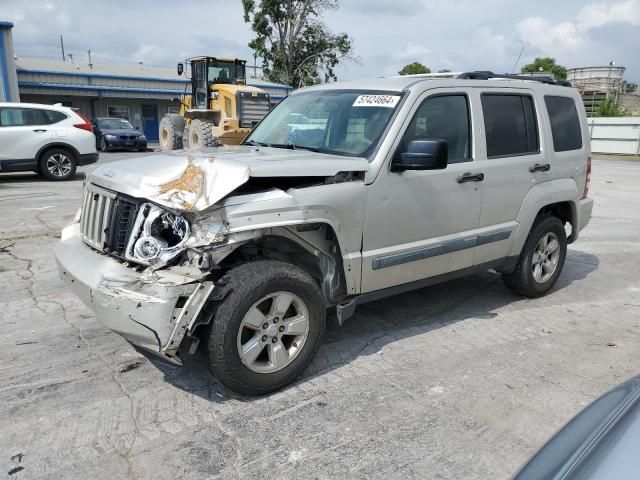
<point x="540" y="196"/>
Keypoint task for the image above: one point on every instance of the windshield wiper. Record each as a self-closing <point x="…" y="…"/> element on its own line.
<point x="292" y="146"/>
<point x="255" y="144"/>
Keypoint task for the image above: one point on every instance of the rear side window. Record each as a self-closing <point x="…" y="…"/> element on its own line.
<point x="510" y="125"/>
<point x="54" y="116"/>
<point x="20" y="117"/>
<point x="565" y="124"/>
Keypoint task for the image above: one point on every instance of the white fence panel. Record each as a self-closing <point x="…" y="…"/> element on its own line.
<point x="615" y="135"/>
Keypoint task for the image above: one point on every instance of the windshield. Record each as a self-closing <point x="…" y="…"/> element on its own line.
<point x="115" y="124"/>
<point x="343" y="122"/>
<point x="221" y="72"/>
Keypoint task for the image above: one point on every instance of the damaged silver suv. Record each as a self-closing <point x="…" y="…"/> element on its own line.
<point x="345" y="193"/>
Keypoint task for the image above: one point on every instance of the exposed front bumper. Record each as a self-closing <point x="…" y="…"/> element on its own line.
<point x="154" y="311"/>
<point x="124" y="144"/>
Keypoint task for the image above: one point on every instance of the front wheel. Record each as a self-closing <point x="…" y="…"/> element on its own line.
<point x="541" y="260"/>
<point x="104" y="147"/>
<point x="267" y="329"/>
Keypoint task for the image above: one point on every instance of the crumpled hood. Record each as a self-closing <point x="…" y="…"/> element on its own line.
<point x="195" y="180"/>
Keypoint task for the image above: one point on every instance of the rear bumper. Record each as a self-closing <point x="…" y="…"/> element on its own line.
<point x="88" y="158"/>
<point x="586" y="209"/>
<point x="152" y="311"/>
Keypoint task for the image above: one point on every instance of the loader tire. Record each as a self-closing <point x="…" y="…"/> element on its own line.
<point x="171" y="129"/>
<point x="201" y="134"/>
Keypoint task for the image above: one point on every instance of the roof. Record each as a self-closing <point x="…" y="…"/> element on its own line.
<point x="399" y="84"/>
<point x="50" y="66"/>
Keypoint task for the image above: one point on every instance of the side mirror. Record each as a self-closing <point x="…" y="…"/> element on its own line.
<point x="422" y="155"/>
<point x="180" y="68"/>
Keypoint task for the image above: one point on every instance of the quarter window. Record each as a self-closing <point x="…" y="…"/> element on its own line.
<point x="443" y="117"/>
<point x="565" y="124"/>
<point x="510" y="125"/>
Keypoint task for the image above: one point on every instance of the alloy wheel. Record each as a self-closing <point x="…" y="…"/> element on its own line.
<point x="59" y="165"/>
<point x="273" y="332"/>
<point x="545" y="257"/>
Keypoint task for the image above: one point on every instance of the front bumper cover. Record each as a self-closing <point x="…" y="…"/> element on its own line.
<point x="153" y="311"/>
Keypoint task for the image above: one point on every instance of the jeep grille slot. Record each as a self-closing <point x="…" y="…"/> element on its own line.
<point x="97" y="205"/>
<point x="252" y="107"/>
<point x="123" y="219"/>
<point x="107" y="219"/>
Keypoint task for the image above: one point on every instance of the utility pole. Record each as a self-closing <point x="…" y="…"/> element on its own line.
<point x="89" y="53"/>
<point x="64" y="58"/>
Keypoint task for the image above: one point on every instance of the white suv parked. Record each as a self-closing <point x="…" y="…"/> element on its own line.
<point x="344" y="193"/>
<point x="48" y="139"/>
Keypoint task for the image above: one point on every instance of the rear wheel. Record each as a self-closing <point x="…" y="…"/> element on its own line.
<point x="58" y="164"/>
<point x="267" y="329"/>
<point x="541" y="260"/>
<point x="171" y="129"/>
<point x="201" y="134"/>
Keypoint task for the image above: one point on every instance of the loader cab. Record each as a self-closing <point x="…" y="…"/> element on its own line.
<point x="208" y="71"/>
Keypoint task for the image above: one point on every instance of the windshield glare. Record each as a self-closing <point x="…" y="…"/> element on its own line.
<point x="331" y="121"/>
<point x="115" y="124"/>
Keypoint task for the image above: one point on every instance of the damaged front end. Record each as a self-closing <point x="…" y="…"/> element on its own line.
<point x="146" y="255"/>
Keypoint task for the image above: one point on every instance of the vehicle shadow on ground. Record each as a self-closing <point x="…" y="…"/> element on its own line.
<point x="385" y="321"/>
<point x="34" y="178"/>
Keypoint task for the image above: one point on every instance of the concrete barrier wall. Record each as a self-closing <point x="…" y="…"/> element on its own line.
<point x="620" y="135"/>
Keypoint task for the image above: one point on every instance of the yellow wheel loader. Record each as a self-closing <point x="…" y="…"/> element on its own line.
<point x="220" y="109"/>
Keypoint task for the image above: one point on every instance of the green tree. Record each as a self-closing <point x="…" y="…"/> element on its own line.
<point x="414" y="69"/>
<point x="546" y="64"/>
<point x="296" y="48"/>
<point x="608" y="108"/>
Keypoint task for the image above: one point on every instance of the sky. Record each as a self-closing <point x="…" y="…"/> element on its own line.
<point x="459" y="35"/>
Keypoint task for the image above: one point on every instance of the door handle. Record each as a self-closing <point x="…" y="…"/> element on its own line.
<point x="40" y="130"/>
<point x="538" y="167"/>
<point x="471" y="177"/>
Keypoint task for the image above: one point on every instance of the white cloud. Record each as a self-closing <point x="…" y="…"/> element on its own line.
<point x="568" y="37"/>
<point x="598" y="14"/>
<point x="415" y="52"/>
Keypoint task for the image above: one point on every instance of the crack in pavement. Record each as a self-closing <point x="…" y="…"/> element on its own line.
<point x="126" y="456"/>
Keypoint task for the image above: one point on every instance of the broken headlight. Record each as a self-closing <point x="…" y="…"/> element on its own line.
<point x="158" y="236"/>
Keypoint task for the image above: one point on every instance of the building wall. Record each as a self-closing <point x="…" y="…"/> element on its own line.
<point x="99" y="107"/>
<point x="619" y="135"/>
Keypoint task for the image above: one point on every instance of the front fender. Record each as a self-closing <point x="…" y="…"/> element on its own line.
<point x="340" y="205"/>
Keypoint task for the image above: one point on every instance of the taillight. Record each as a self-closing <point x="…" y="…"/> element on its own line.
<point x="83" y="126"/>
<point x="587" y="181"/>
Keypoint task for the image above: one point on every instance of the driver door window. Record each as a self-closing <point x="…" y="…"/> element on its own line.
<point x="443" y="117"/>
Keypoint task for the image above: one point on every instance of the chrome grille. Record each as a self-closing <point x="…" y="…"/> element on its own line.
<point x="97" y="205"/>
<point x="252" y="107"/>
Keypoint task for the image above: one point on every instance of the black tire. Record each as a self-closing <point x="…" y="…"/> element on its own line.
<point x="521" y="281"/>
<point x="103" y="147"/>
<point x="249" y="283"/>
<point x="201" y="134"/>
<point x="171" y="130"/>
<point x="66" y="161"/>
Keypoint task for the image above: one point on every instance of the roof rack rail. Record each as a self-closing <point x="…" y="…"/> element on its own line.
<point x="486" y="75"/>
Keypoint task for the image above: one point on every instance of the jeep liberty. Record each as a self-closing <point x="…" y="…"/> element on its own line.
<point x="345" y="193"/>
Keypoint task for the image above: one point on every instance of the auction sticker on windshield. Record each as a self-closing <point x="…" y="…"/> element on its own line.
<point x="389" y="101"/>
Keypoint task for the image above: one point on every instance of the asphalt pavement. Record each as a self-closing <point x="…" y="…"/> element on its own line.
<point x="460" y="380"/>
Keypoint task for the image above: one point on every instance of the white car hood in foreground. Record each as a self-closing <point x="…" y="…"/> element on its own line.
<point x="195" y="180"/>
